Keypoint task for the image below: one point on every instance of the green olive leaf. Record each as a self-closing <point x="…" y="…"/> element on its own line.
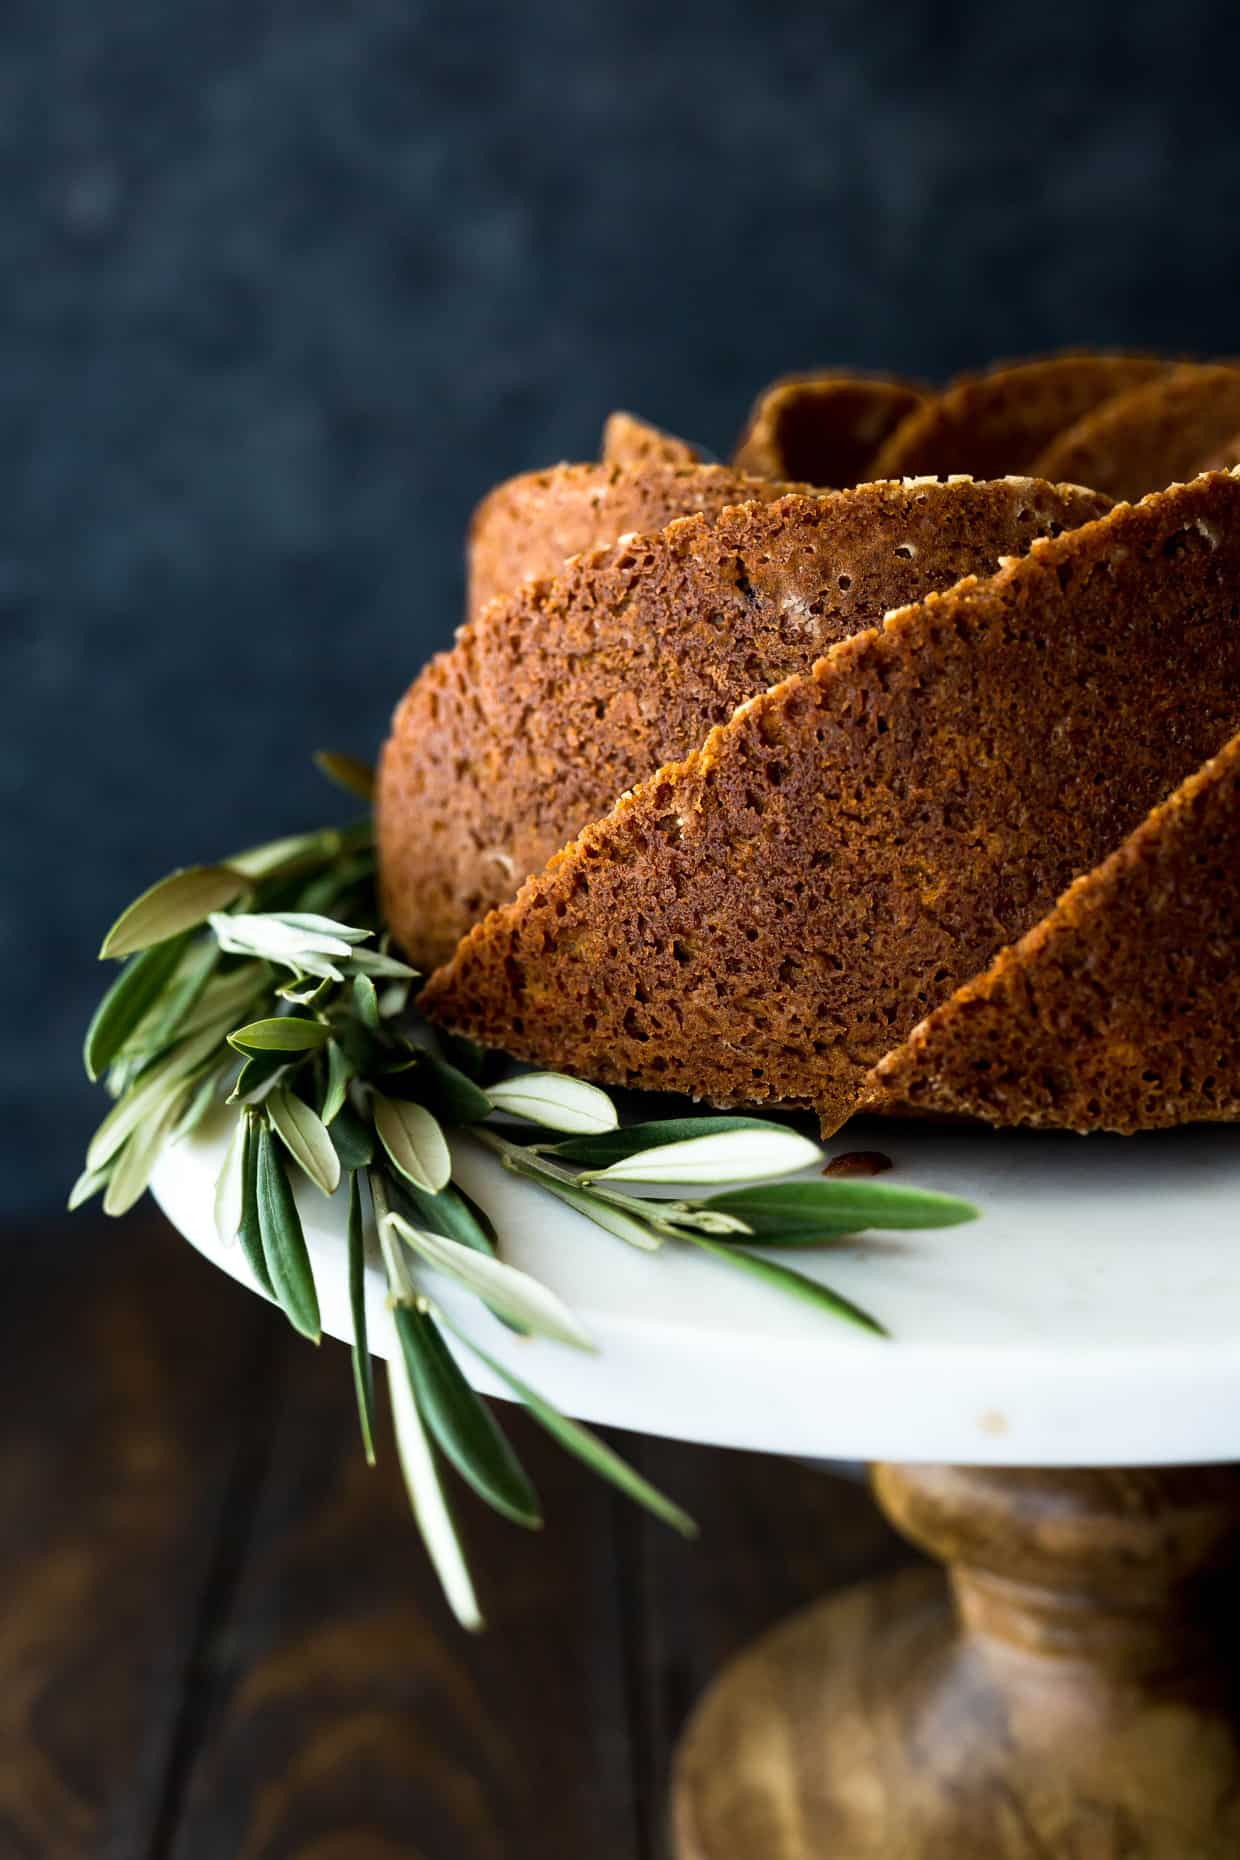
<point x="348" y="772"/>
<point x="413" y="1141"/>
<point x="461" y="1423"/>
<point x="363" y="1367"/>
<point x="724" y="1156"/>
<point x="428" y="1500"/>
<point x="554" y="1100"/>
<point x="305" y="1137"/>
<point x="249" y="1229"/>
<point x="284" y="1243"/>
<point x="518" y="1296"/>
<point x="340" y="1071"/>
<point x="787" y="1279"/>
<point x="599" y="1149"/>
<point x="448" y="1092"/>
<point x="179" y="902"/>
<point x="366" y="1002"/>
<point x="286" y="1033"/>
<point x="795" y="1213"/>
<point x="128" y="1001"/>
<point x="353" y="1138"/>
<point x="585" y="1446"/>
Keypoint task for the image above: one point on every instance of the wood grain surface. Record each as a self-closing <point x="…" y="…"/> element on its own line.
<point x="220" y="1639"/>
<point x="1071" y="1694"/>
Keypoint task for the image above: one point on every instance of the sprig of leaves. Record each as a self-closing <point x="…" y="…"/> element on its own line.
<point x="265" y="983"/>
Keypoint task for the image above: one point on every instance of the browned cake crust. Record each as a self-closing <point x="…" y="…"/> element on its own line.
<point x="1158" y="434"/>
<point x="1004" y="420"/>
<point x="1121" y="1010"/>
<point x="768" y="918"/>
<point x="532" y="525"/>
<point x="630" y="441"/>
<point x="823" y="428"/>
<point x="554" y="702"/>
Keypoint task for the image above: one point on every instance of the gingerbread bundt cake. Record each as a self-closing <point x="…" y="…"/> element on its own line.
<point x="555" y="701"/>
<point x="1156" y="434"/>
<point x="825" y="427"/>
<point x="531" y="525"/>
<point x="630" y="441"/>
<point x="1003" y="420"/>
<point x="766" y="919"/>
<point x="1122" y="1007"/>
<point x="920" y="795"/>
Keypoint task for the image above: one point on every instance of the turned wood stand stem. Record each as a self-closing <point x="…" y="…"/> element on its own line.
<point x="1067" y="1693"/>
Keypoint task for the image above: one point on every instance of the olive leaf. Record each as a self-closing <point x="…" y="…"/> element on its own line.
<point x="284" y="1244"/>
<point x="787" y="1279"/>
<point x="201" y="999"/>
<point x="450" y="1214"/>
<point x="287" y="1033"/>
<point x="725" y="1156"/>
<point x="134" y="992"/>
<point x="305" y="1138"/>
<point x="303" y="852"/>
<point x="256" y="1075"/>
<point x="448" y="1092"/>
<point x="135" y="1164"/>
<point x="355" y="777"/>
<point x="363" y="1366"/>
<point x="466" y="1055"/>
<point x="515" y="1293"/>
<point x="340" y="1071"/>
<point x="179" y="902"/>
<point x="555" y="1101"/>
<point x="414" y="1141"/>
<point x="461" y="1423"/>
<point x="87" y="1185"/>
<point x="366" y="1001"/>
<point x="797" y="1213"/>
<point x="378" y="962"/>
<point x="609" y="1146"/>
<point x="352" y="1139"/>
<point x="428" y="1501"/>
<point x="150" y="1094"/>
<point x="200" y="1102"/>
<point x="249" y="1229"/>
<point x="230" y="1186"/>
<point x="618" y="1221"/>
<point x="343" y="1055"/>
<point x="585" y="1445"/>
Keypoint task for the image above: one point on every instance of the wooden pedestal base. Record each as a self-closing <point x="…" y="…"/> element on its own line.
<point x="1068" y="1692"/>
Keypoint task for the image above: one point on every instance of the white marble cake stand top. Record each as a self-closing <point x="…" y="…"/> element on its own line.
<point x="1091" y="1317"/>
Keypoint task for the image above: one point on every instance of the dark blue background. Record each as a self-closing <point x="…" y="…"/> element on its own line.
<point x="287" y="286"/>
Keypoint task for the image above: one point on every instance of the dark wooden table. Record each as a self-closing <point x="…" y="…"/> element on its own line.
<point x="220" y="1640"/>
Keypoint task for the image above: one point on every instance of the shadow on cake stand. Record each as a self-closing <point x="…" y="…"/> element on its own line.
<point x="1054" y="1424"/>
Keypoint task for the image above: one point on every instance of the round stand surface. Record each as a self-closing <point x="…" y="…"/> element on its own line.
<point x="1089" y="1318"/>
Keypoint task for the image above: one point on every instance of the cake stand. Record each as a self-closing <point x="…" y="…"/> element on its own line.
<point x="1053" y="1421"/>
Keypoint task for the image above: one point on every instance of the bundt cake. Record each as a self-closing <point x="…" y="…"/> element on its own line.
<point x="1003" y="420"/>
<point x="916" y="794"/>
<point x="556" y="700"/>
<point x="630" y="441"/>
<point x="1154" y="435"/>
<point x="824" y="427"/>
<point x="766" y="919"/>
<point x="531" y="525"/>
<point x="1121" y="1009"/>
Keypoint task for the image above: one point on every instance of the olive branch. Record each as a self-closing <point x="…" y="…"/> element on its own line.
<point x="266" y="984"/>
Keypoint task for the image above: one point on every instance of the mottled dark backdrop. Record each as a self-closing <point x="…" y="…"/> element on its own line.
<point x="286" y="286"/>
